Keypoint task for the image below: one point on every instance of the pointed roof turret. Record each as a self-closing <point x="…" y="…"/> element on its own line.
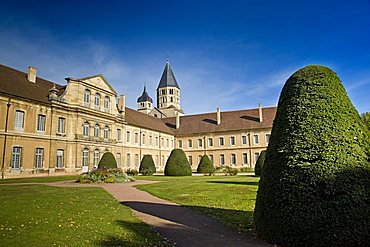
<point x="168" y="78"/>
<point x="144" y="97"/>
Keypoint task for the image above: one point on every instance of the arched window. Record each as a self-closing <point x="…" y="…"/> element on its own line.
<point x="97" y="101"/>
<point x="85" y="129"/>
<point x="96" y="130"/>
<point x="106" y="103"/>
<point x="87" y="97"/>
<point x="85" y="157"/>
<point x="106" y="132"/>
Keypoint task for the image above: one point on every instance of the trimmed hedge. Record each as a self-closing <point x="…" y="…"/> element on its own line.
<point x="107" y="161"/>
<point x="314" y="189"/>
<point x="147" y="166"/>
<point x="205" y="165"/>
<point x="177" y="164"/>
<point x="259" y="164"/>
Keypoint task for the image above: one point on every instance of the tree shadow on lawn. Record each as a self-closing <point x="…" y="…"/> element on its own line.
<point x="234" y="182"/>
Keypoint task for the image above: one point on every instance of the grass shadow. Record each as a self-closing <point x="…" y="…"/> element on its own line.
<point x="234" y="182"/>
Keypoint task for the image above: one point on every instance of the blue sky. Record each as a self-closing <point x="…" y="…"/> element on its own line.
<point x="228" y="54"/>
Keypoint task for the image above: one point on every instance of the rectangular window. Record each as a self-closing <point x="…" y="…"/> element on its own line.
<point x="128" y="160"/>
<point x="210" y="142"/>
<point x="232" y="140"/>
<point x="143" y="140"/>
<point x="244" y="140"/>
<point x="19" y="120"/>
<point x="97" y="101"/>
<point x="222" y="141"/>
<point x="85" y="129"/>
<point x="180" y="143"/>
<point x="156" y="141"/>
<point x="128" y="137"/>
<point x="39" y="158"/>
<point x="85" y="157"/>
<point x="150" y="140"/>
<point x="136" y="138"/>
<point x="168" y="143"/>
<point x="162" y="142"/>
<point x="119" y="135"/>
<point x="190" y="160"/>
<point x="222" y="159"/>
<point x="190" y="143"/>
<point x="41" y="123"/>
<point x="119" y="160"/>
<point x="106" y="104"/>
<point x="256" y="139"/>
<point x="96" y="158"/>
<point x="16" y="157"/>
<point x="233" y="159"/>
<point x="256" y="155"/>
<point x="61" y="125"/>
<point x="245" y="158"/>
<point x="200" y="143"/>
<point x="60" y="158"/>
<point x="137" y="160"/>
<point x="267" y="139"/>
<point x="106" y="132"/>
<point x="211" y="157"/>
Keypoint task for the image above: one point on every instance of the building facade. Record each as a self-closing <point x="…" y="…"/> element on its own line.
<point x="50" y="128"/>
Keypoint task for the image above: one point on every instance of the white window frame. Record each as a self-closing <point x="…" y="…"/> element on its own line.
<point x="256" y="139"/>
<point x="96" y="130"/>
<point x="200" y="143"/>
<point x="97" y="99"/>
<point x="39" y="158"/>
<point x="223" y="141"/>
<point x="96" y="157"/>
<point x="87" y="95"/>
<point x="180" y="143"/>
<point x="244" y="137"/>
<point x="61" y="125"/>
<point x="128" y="137"/>
<point x="85" y="157"/>
<point x="222" y="159"/>
<point x="106" y="132"/>
<point x="16" y="162"/>
<point x="119" y="135"/>
<point x="190" y="143"/>
<point x="106" y="103"/>
<point x="19" y="120"/>
<point x="41" y="123"/>
<point x="136" y="138"/>
<point x="86" y="129"/>
<point x="233" y="159"/>
<point x="60" y="159"/>
<point x="245" y="158"/>
<point x="128" y="160"/>
<point x="143" y="139"/>
<point x="210" y="142"/>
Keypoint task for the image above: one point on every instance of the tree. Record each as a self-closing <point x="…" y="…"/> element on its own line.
<point x="259" y="164"/>
<point x="205" y="165"/>
<point x="147" y="166"/>
<point x="107" y="161"/>
<point x="366" y="118"/>
<point x="177" y="164"/>
<point x="314" y="189"/>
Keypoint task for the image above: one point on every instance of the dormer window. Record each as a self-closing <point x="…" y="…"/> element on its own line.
<point x="97" y="101"/>
<point x="106" y="103"/>
<point x="87" y="98"/>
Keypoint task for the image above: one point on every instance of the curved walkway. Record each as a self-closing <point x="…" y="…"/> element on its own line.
<point x="179" y="225"/>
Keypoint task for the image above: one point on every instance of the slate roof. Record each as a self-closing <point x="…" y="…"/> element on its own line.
<point x="230" y="121"/>
<point x="14" y="83"/>
<point x="144" y="97"/>
<point x="168" y="78"/>
<point x="143" y="120"/>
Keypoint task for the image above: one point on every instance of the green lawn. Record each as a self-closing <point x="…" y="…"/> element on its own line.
<point x="40" y="215"/>
<point x="47" y="179"/>
<point x="230" y="199"/>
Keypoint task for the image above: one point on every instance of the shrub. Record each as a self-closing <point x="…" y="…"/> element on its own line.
<point x="177" y="164"/>
<point x="105" y="176"/>
<point x="231" y="171"/>
<point x="314" y="189"/>
<point x="132" y="172"/>
<point x="259" y="164"/>
<point x="205" y="166"/>
<point x="147" y="167"/>
<point x="107" y="161"/>
<point x="246" y="169"/>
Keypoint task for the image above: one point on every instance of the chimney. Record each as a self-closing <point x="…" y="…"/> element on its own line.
<point x="177" y="120"/>
<point x="32" y="74"/>
<point x="260" y="112"/>
<point x="121" y="103"/>
<point x="218" y="116"/>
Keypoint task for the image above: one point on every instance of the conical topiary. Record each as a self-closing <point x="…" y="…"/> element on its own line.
<point x="314" y="189"/>
<point x="177" y="164"/>
<point x="107" y="161"/>
<point x="259" y="164"/>
<point x="147" y="166"/>
<point x="205" y="165"/>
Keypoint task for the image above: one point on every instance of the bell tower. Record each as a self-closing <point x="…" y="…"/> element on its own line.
<point x="144" y="102"/>
<point x="168" y="93"/>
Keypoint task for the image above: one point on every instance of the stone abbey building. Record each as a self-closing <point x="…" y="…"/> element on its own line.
<point x="50" y="128"/>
